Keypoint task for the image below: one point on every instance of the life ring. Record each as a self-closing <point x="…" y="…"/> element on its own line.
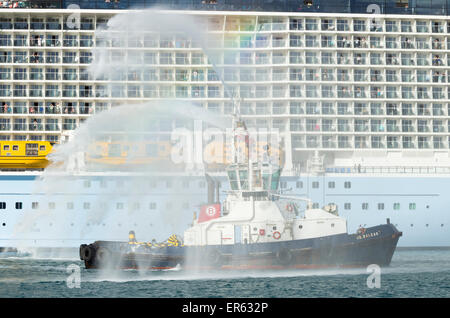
<point x="289" y="207"/>
<point x="276" y="235"/>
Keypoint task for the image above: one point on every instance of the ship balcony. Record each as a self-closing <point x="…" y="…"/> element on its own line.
<point x="6" y="26"/>
<point x="35" y="127"/>
<point x="278" y="43"/>
<point x="20" y="110"/>
<point x="52" y="110"/>
<point x="438" y="129"/>
<point x="52" y="43"/>
<point x="37" y="25"/>
<point x="51" y="60"/>
<point x="423" y="145"/>
<point x="392" y="128"/>
<point x="392" y="145"/>
<point x="52" y="127"/>
<point x="423" y="128"/>
<point x="408" y="128"/>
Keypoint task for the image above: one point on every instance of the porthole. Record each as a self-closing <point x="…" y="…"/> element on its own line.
<point x="4" y="224"/>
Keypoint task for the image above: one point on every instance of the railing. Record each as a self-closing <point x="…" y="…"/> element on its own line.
<point x="389" y="169"/>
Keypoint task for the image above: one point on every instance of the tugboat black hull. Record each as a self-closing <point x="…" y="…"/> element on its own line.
<point x="375" y="246"/>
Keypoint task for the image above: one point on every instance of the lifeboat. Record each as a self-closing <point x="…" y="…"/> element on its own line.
<point x="24" y="155"/>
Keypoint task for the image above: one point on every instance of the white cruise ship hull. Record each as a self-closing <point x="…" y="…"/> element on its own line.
<point x="83" y="209"/>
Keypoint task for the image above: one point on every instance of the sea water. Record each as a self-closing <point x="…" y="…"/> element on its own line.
<point x="412" y="274"/>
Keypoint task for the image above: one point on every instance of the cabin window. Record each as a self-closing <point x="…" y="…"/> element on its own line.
<point x="283" y="184"/>
<point x="86" y="205"/>
<point x="380" y="206"/>
<point x="347" y="184"/>
<point x="331" y="184"/>
<point x="243" y="177"/>
<point x="34" y="205"/>
<point x="152" y="206"/>
<point x="315" y="184"/>
<point x="347" y="206"/>
<point x="6" y="147"/>
<point x="257" y="179"/>
<point x="315" y="205"/>
<point x="119" y="205"/>
<point x="396" y="206"/>
<point x="70" y="206"/>
<point x="15" y="147"/>
<point x="2" y="205"/>
<point x="299" y="184"/>
<point x="31" y="149"/>
<point x="365" y="206"/>
<point x="275" y="179"/>
<point x="51" y="205"/>
<point x="412" y="206"/>
<point x="42" y="148"/>
<point x="233" y="180"/>
<point x="18" y="205"/>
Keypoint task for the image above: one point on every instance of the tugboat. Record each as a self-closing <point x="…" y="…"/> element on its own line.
<point x="255" y="227"/>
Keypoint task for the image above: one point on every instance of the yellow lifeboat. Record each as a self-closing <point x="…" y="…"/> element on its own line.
<point x="128" y="153"/>
<point x="24" y="154"/>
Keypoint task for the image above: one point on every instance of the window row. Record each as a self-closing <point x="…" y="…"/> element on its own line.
<point x="370" y="142"/>
<point x="89" y="205"/>
<point x="382" y="206"/>
<point x="122" y="90"/>
<point x="248" y="24"/>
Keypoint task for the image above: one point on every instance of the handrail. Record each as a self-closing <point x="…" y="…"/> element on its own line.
<point x="389" y="169"/>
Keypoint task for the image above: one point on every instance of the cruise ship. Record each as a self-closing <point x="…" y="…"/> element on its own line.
<point x="358" y="90"/>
